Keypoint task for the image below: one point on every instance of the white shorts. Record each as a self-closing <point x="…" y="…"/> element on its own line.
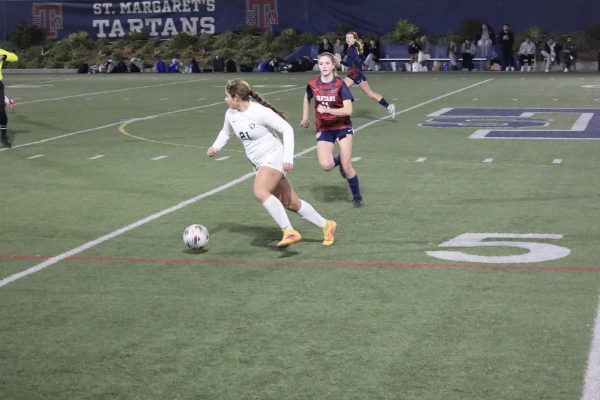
<point x="273" y="160"/>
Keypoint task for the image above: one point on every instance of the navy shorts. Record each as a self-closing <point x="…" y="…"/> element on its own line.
<point x="332" y="135"/>
<point x="360" y="78"/>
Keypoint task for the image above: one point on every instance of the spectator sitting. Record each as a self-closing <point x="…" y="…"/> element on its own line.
<point x="339" y="48"/>
<point x="218" y="64"/>
<point x="110" y="66"/>
<point x="551" y="53"/>
<point x="424" y="54"/>
<point x="467" y="51"/>
<point x="193" y="66"/>
<point x="570" y="52"/>
<point x="339" y="51"/>
<point x="174" y="66"/>
<point x="527" y="54"/>
<point x="453" y="55"/>
<point x="161" y="67"/>
<point x="373" y="55"/>
<point x="325" y="46"/>
<point x="136" y="65"/>
<point x="413" y="51"/>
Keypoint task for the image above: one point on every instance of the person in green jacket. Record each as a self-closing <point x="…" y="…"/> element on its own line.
<point x="569" y="52"/>
<point x="11" y="57"/>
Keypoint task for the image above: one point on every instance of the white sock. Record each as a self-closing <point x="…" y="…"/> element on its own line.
<point x="307" y="212"/>
<point x="277" y="211"/>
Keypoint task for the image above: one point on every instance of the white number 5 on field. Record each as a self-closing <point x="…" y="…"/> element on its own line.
<point x="536" y="251"/>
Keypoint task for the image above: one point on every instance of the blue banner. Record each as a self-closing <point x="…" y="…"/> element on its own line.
<point x="167" y="18"/>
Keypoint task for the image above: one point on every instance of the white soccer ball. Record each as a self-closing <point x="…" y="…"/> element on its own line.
<point x="195" y="236"/>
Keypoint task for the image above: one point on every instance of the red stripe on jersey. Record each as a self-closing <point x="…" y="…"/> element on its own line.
<point x="328" y="94"/>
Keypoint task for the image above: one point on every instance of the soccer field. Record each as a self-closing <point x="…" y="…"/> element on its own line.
<point x="470" y="273"/>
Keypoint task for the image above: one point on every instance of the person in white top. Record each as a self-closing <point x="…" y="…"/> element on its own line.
<point x="256" y="123"/>
<point x="527" y="54"/>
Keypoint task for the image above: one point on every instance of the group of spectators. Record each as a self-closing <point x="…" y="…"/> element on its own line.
<point x="498" y="51"/>
<point x="526" y="53"/>
<point x="371" y="51"/>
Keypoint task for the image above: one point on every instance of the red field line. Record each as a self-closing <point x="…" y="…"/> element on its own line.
<point x="307" y="263"/>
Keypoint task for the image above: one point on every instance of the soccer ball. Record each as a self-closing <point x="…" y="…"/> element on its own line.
<point x="195" y="236"/>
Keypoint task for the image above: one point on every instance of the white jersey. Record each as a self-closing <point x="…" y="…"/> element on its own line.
<point x="256" y="128"/>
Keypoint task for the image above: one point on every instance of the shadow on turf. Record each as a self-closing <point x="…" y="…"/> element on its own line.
<point x="260" y="236"/>
<point x="331" y="193"/>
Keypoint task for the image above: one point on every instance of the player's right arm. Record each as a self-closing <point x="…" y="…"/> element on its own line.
<point x="305" y="110"/>
<point x="226" y="133"/>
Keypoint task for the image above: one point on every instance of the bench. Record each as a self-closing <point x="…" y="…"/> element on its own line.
<point x="391" y="62"/>
<point x="399" y="54"/>
<point x="395" y="53"/>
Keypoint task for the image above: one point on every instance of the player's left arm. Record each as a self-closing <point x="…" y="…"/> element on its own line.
<point x="8" y="56"/>
<point x="278" y="124"/>
<point x="344" y="111"/>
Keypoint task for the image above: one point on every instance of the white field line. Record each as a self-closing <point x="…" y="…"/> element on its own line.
<point x="119" y="232"/>
<point x="591" y="387"/>
<point x="113" y="91"/>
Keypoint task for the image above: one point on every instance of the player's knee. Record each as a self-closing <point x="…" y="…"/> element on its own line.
<point x="327" y="165"/>
<point x="288" y="204"/>
<point x="348" y="169"/>
<point x="261" y="194"/>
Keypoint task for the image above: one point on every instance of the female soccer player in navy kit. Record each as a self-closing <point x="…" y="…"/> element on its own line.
<point x="333" y="107"/>
<point x="354" y="60"/>
<point x="255" y="123"/>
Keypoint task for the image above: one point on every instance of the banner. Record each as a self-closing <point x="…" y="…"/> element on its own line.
<point x="166" y="18"/>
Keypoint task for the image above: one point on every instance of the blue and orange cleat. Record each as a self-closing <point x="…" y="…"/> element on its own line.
<point x="290" y="236"/>
<point x="329" y="232"/>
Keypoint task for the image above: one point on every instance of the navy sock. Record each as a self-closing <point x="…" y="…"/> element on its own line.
<point x="384" y="103"/>
<point x="354" y="187"/>
<point x="336" y="160"/>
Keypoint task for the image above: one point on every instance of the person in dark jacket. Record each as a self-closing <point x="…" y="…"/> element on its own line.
<point x="506" y="39"/>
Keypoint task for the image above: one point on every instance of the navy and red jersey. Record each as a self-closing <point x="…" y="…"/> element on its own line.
<point x="331" y="94"/>
<point x="354" y="61"/>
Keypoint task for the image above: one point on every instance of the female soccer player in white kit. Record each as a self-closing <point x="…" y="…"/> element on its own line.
<point x="255" y="123"/>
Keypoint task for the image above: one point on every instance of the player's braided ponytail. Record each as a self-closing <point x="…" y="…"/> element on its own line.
<point x="242" y="89"/>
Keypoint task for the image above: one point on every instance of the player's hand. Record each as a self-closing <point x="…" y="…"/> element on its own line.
<point x="305" y="123"/>
<point x="211" y="152"/>
<point x="288" y="166"/>
<point x="322" y="109"/>
<point x="2" y="57"/>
